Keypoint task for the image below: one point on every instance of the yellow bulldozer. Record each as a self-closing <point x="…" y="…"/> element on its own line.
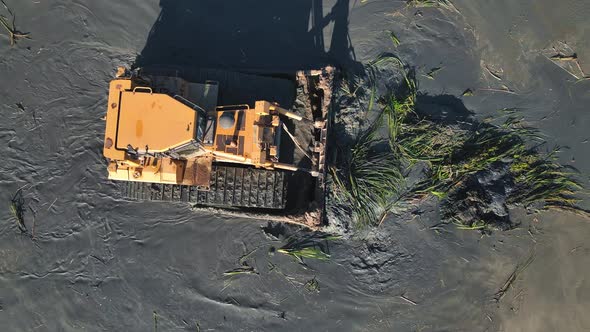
<point x="170" y="139"/>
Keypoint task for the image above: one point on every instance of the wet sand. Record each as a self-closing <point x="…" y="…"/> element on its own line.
<point x="100" y="263"/>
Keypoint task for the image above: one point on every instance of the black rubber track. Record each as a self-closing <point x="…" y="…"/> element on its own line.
<point x="230" y="187"/>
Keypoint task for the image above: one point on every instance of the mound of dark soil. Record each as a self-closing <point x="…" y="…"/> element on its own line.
<point x="482" y="199"/>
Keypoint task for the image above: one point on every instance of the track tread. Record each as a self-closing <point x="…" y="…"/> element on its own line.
<point x="230" y="187"/>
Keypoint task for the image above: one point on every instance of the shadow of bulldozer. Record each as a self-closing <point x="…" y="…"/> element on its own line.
<point x="262" y="37"/>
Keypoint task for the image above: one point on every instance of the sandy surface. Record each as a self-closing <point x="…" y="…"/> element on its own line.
<point x="100" y="263"/>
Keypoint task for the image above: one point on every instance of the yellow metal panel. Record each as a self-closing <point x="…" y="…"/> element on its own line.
<point x="171" y="170"/>
<point x="112" y="117"/>
<point x="154" y="120"/>
<point x="249" y="119"/>
<point x="119" y="174"/>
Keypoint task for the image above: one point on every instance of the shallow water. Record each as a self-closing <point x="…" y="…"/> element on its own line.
<point x="102" y="263"/>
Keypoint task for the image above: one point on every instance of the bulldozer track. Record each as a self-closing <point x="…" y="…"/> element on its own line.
<point x="230" y="187"/>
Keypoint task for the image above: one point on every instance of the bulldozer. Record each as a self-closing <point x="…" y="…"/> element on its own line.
<point x="168" y="138"/>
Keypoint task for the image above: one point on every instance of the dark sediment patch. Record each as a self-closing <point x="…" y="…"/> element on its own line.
<point x="482" y="199"/>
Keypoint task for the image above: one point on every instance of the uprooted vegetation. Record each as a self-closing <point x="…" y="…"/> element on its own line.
<point x="478" y="170"/>
<point x="8" y="23"/>
<point x="17" y="210"/>
<point x="308" y="247"/>
<point x="442" y="4"/>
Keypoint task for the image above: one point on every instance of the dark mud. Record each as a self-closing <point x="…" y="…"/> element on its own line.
<point x="99" y="263"/>
<point x="483" y="196"/>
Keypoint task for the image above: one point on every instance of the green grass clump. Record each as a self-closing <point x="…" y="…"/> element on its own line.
<point x="307" y="252"/>
<point x="370" y="179"/>
<point x="310" y="246"/>
<point x="466" y="152"/>
<point x="367" y="179"/>
<point x="537" y="176"/>
<point x="413" y="139"/>
<point x="542" y="178"/>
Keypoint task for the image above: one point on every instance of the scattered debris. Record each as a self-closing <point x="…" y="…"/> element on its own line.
<point x="444" y="4"/>
<point x="312" y="286"/>
<point x="155" y="321"/>
<point x="13" y="34"/>
<point x="467" y="93"/>
<point x="51" y="205"/>
<point x="432" y="72"/>
<point x="34" y="213"/>
<point x="17" y="208"/>
<point x="394" y="39"/>
<point x="311" y="246"/>
<point x="563" y="56"/>
<point x="494" y="74"/>
<point x="240" y="270"/>
<point x="504" y="89"/>
<point x="517" y="271"/>
<point x="403" y="297"/>
<point x="307" y="252"/>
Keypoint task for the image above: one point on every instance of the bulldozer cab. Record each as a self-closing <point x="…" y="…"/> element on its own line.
<point x="143" y="120"/>
<point x="169" y="138"/>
